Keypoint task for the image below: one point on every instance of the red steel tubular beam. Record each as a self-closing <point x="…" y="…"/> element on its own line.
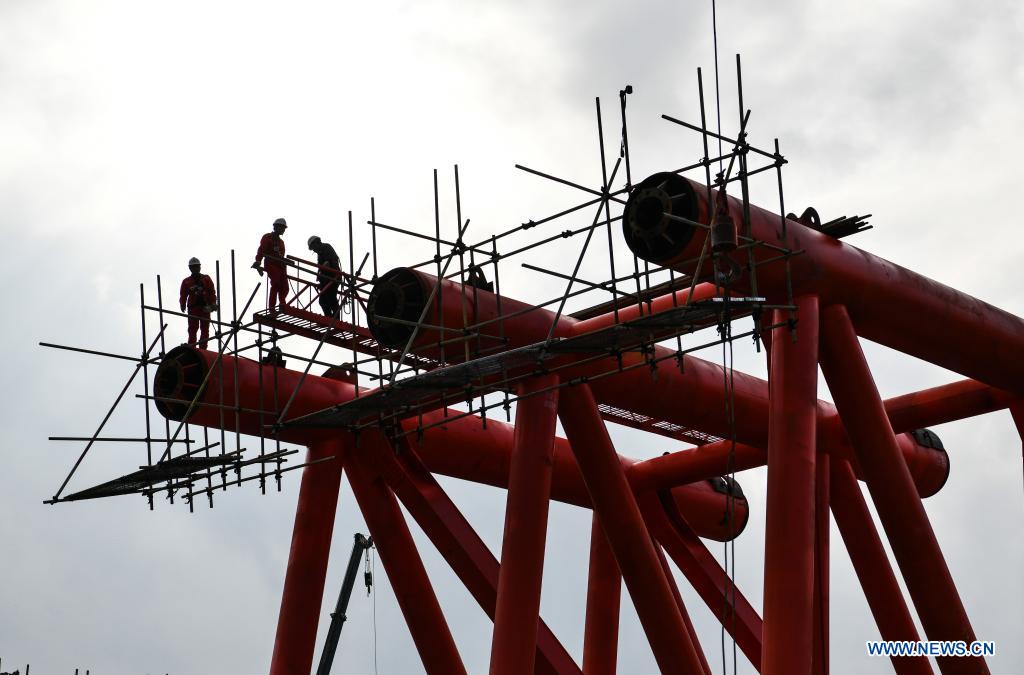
<point x="456" y="540"/>
<point x="678" y="597"/>
<point x="885" y="301"/>
<point x="699" y="463"/>
<point x="689" y="395"/>
<point x="462" y="448"/>
<point x="604" y="588"/>
<point x="790" y="527"/>
<point x="820" y="663"/>
<point x="899" y="507"/>
<point x="712" y="459"/>
<point x="704" y="573"/>
<point x="870" y="562"/>
<point x="307" y="561"/>
<point x="616" y="506"/>
<point x="945" y="403"/>
<point x="517" y="611"/>
<point x="405" y="569"/>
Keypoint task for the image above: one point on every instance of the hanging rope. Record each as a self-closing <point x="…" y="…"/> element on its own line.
<point x="718" y="99"/>
<point x="725" y="330"/>
<point x="371" y="555"/>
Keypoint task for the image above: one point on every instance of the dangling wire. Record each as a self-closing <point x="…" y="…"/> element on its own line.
<point x="729" y="547"/>
<point x="718" y="100"/>
<point x="725" y="330"/>
<point x="373" y="591"/>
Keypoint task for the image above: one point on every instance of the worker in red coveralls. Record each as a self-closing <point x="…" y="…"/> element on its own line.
<point x="271" y="252"/>
<point x="199" y="296"/>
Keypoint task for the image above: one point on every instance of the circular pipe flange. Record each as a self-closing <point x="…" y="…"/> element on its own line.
<point x="179" y="375"/>
<point x="649" y="220"/>
<point x="398" y="294"/>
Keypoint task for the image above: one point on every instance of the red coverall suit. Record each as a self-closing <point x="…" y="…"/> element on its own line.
<point x="198" y="294"/>
<point x="271" y="252"/>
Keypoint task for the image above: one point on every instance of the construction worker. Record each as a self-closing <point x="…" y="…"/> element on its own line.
<point x="199" y="296"/>
<point x="271" y="252"/>
<point x="328" y="276"/>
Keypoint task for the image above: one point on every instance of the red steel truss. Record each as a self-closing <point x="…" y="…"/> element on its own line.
<point x="451" y="340"/>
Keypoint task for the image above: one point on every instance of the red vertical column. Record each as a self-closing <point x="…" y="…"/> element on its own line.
<point x="871" y="564"/>
<point x="789" y="530"/>
<point x="615" y="504"/>
<point x="405" y="570"/>
<point x="820" y="665"/>
<point x="516" y="615"/>
<point x="892" y="489"/>
<point x="604" y="590"/>
<point x="303" y="592"/>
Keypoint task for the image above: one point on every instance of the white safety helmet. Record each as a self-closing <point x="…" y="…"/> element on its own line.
<point x="309" y="242"/>
<point x="193" y="261"/>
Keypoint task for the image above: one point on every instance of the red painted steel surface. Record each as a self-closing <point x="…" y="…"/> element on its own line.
<point x="945" y="403"/>
<point x="820" y="611"/>
<point x="456" y="540"/>
<point x="704" y="573"/>
<point x="887" y="303"/>
<point x="700" y="463"/>
<point x="616" y="506"/>
<point x="461" y="448"/>
<point x="303" y="592"/>
<point x="402" y="292"/>
<point x="690" y="396"/>
<point x="902" y="514"/>
<point x="465" y="450"/>
<point x="604" y="588"/>
<point x="870" y="562"/>
<point x="401" y="560"/>
<point x="678" y="597"/>
<point x="790" y="502"/>
<point x="526" y="518"/>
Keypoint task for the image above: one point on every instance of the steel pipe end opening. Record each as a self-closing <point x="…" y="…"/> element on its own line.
<point x="934" y="481"/>
<point x="178" y="377"/>
<point x="650" y="220"/>
<point x="400" y="295"/>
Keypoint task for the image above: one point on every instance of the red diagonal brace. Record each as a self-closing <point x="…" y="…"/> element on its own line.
<point x="404" y="568"/>
<point x="899" y="507"/>
<point x="615" y="504"/>
<point x="604" y="589"/>
<point x="704" y="573"/>
<point x="871" y="564"/>
<point x="455" y="539"/>
<point x="678" y="597"/>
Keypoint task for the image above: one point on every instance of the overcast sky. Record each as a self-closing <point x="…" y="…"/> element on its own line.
<point x="134" y="135"/>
